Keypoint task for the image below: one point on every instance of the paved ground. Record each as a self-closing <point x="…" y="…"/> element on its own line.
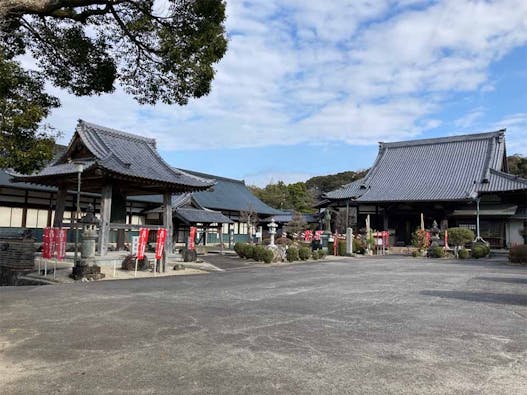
<point x="356" y="326"/>
<point x="229" y="261"/>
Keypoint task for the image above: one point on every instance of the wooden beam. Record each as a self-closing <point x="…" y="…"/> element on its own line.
<point x="167" y="221"/>
<point x="106" y="211"/>
<point x="60" y="204"/>
<point x="24" y="211"/>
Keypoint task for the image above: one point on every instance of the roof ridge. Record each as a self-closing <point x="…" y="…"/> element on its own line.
<point x="195" y="174"/>
<point x="118" y="133"/>
<point x="447" y="139"/>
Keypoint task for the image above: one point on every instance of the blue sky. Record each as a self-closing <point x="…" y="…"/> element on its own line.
<point x="309" y="87"/>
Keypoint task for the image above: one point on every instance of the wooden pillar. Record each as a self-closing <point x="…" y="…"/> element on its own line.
<point x="106" y="212"/>
<point x="60" y="205"/>
<point x="24" y="211"/>
<point x="167" y="221"/>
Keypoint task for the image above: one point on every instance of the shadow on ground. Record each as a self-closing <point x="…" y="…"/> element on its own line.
<point x="509" y="280"/>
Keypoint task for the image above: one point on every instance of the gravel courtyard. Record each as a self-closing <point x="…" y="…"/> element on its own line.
<point x="394" y="325"/>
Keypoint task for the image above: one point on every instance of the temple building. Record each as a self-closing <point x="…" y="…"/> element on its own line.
<point x="445" y="179"/>
<point x="130" y="186"/>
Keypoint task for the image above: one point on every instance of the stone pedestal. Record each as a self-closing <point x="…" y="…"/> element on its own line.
<point x="86" y="267"/>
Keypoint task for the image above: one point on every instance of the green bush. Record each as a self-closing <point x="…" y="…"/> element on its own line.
<point x="314" y="254"/>
<point x="258" y="253"/>
<point x="480" y="250"/>
<point x="436" y="252"/>
<point x="460" y="236"/>
<point x="416" y="253"/>
<point x="342" y="248"/>
<point x="463" y="253"/>
<point x="358" y="246"/>
<point x="321" y="254"/>
<point x="248" y="251"/>
<point x="292" y="254"/>
<point x="304" y="253"/>
<point x="518" y="254"/>
<point x="268" y="256"/>
<point x="238" y="247"/>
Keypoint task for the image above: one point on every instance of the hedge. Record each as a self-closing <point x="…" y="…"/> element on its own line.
<point x="518" y="254"/>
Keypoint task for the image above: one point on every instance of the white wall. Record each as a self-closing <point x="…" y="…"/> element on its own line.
<point x="512" y="230"/>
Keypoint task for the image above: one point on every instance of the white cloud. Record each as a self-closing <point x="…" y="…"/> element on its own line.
<point x="469" y="119"/>
<point x="351" y="71"/>
<point x="516" y="134"/>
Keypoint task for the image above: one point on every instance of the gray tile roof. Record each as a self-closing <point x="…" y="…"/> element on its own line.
<point x="287" y="217"/>
<point x="439" y="169"/>
<point x="194" y="216"/>
<point x="121" y="154"/>
<point x="230" y="195"/>
<point x="499" y="181"/>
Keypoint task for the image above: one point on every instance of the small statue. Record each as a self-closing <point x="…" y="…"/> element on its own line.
<point x="327" y="218"/>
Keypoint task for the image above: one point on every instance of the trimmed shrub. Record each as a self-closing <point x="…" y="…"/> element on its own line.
<point x="321" y="254"/>
<point x="248" y="251"/>
<point x="358" y="246"/>
<point x="258" y="253"/>
<point x="416" y="253"/>
<point x="292" y="254"/>
<point x="238" y="247"/>
<point x="267" y="255"/>
<point x="463" y="253"/>
<point x="304" y="253"/>
<point x="314" y="254"/>
<point x="460" y="236"/>
<point x="518" y="254"/>
<point x="480" y="250"/>
<point x="342" y="248"/>
<point x="436" y="252"/>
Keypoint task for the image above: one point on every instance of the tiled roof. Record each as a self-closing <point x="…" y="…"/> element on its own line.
<point x="122" y="154"/>
<point x="288" y="216"/>
<point x="230" y="195"/>
<point x="438" y="169"/>
<point x="194" y="216"/>
<point x="499" y="181"/>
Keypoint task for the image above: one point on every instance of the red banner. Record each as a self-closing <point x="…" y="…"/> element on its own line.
<point x="143" y="239"/>
<point x="308" y="235"/>
<point x="191" y="238"/>
<point x="47" y="246"/>
<point x="318" y="234"/>
<point x="59" y="242"/>
<point x="160" y="243"/>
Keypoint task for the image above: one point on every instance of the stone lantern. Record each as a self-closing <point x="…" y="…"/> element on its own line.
<point x="86" y="267"/>
<point x="272" y="231"/>
<point x="434" y="237"/>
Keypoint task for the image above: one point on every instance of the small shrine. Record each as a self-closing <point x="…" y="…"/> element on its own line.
<point x="113" y="165"/>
